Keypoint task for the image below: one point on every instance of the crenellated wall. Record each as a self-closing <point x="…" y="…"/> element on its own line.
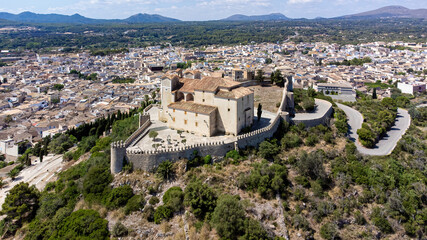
<point x="253" y="139"/>
<point x="149" y="160"/>
<point x="118" y="149"/>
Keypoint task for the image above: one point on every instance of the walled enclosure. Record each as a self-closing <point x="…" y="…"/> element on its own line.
<point x="150" y="160"/>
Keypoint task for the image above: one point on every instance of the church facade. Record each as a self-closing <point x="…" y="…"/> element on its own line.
<point x="206" y="106"/>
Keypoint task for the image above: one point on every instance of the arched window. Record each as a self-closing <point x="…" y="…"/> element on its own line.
<point x="189" y="97"/>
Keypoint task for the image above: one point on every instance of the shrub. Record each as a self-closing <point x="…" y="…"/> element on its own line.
<point x="174" y="197"/>
<point x="311" y="140"/>
<point x="119" y="230"/>
<point x="162" y="213"/>
<point x="233" y="154"/>
<point x="119" y="197"/>
<point x="359" y="218"/>
<point x="379" y="220"/>
<point x="254" y="230"/>
<point x="268" y="150"/>
<point x="96" y="183"/>
<point x="153" y="200"/>
<point x="228" y="217"/>
<point x="291" y="140"/>
<point x="300" y="222"/>
<point x="329" y="231"/>
<point x="308" y="104"/>
<point x="68" y="156"/>
<point x="49" y="204"/>
<point x="149" y="213"/>
<point x="200" y="197"/>
<point x="83" y="224"/>
<point x="135" y="203"/>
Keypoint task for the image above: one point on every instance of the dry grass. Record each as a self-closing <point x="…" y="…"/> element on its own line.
<point x="268" y="96"/>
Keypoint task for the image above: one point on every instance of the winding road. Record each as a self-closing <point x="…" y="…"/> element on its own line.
<point x="386" y="145"/>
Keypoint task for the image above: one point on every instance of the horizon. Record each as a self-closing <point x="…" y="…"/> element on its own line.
<point x="121" y="9"/>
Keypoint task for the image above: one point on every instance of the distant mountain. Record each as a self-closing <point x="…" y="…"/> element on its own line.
<point x="269" y="17"/>
<point x="76" y="18"/>
<point x="389" y="12"/>
<point x="147" y="18"/>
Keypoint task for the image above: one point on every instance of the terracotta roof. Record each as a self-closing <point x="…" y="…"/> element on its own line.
<point x="209" y="84"/>
<point x="192" y="107"/>
<point x="235" y="93"/>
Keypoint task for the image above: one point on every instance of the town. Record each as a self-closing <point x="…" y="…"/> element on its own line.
<point x="43" y="95"/>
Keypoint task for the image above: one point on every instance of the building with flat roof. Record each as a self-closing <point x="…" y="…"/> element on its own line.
<point x="334" y="87"/>
<point x="206" y="106"/>
<point x="411" y="87"/>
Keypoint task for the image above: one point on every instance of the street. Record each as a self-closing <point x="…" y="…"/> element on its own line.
<point x="386" y="145"/>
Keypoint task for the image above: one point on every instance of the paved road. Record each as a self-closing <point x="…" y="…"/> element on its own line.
<point x="386" y="145"/>
<point x="322" y="107"/>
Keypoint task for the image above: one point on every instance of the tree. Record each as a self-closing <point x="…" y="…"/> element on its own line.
<point x="374" y="93"/>
<point x="174" y="198"/>
<point x="277" y="78"/>
<point x="20" y="206"/>
<point x="228" y="217"/>
<point x="268" y="150"/>
<point x="41" y="155"/>
<point x="83" y="224"/>
<point x="259" y="75"/>
<point x="200" y="197"/>
<point x="165" y="170"/>
<point x="58" y="87"/>
<point x="13" y="173"/>
<point x="153" y="134"/>
<point x="259" y="111"/>
<point x="96" y="182"/>
<point x="119" y="197"/>
<point x="268" y="61"/>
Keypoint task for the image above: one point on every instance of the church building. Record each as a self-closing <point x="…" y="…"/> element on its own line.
<point x="206" y="106"/>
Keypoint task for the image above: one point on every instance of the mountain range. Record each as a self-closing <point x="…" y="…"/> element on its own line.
<point x="269" y="17"/>
<point x="79" y="19"/>
<point x="390" y="12"/>
<point x="385" y="12"/>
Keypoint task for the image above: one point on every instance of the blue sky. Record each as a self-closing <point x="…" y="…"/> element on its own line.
<point x="202" y="9"/>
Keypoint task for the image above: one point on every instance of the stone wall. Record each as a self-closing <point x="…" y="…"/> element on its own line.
<point x="118" y="149"/>
<point x="317" y="120"/>
<point x="253" y="139"/>
<point x="149" y="160"/>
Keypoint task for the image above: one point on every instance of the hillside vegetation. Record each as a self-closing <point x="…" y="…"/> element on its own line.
<point x="302" y="183"/>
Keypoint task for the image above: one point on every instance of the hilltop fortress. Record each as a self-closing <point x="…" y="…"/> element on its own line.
<point x="211" y="111"/>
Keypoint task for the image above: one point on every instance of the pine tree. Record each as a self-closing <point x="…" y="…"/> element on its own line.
<point x="374" y="94"/>
<point x="259" y="111"/>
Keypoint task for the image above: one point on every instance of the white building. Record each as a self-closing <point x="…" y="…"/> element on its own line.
<point x="411" y="87"/>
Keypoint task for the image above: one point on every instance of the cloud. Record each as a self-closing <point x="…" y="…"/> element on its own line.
<point x="302" y="1"/>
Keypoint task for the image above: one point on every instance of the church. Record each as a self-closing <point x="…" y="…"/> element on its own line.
<point x="206" y="106"/>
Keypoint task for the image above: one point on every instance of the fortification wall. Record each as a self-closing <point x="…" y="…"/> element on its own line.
<point x="253" y="139"/>
<point x="118" y="149"/>
<point x="118" y="154"/>
<point x="149" y="160"/>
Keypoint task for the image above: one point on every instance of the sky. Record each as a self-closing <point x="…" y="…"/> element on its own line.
<point x="201" y="10"/>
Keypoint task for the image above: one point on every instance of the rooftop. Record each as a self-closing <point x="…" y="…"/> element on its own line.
<point x="193" y="107"/>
